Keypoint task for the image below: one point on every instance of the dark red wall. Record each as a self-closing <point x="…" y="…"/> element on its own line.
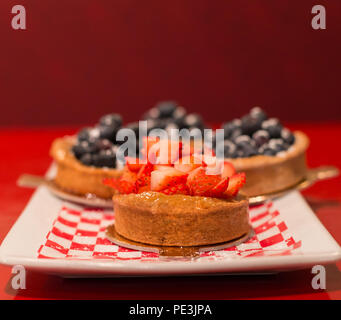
<point x="81" y="58"/>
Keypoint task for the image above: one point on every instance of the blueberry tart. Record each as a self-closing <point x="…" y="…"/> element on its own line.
<point x="272" y="157"/>
<point x="83" y="161"/>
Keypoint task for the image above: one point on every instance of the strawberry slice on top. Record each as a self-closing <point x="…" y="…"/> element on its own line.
<point x="133" y="164"/>
<point x="202" y="184"/>
<point x="196" y="175"/>
<point x="236" y="182"/>
<point x="143" y="176"/>
<point x="228" y="169"/>
<point x="124" y="185"/>
<point x="164" y="179"/>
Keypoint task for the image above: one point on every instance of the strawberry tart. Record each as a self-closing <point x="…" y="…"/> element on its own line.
<point x="187" y="200"/>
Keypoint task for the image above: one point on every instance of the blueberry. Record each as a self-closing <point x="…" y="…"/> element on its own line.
<point x="78" y="150"/>
<point x="83" y="147"/>
<point x="166" y="108"/>
<point x="230" y="127"/>
<point x="277" y="145"/>
<point x="230" y="149"/>
<point x="104" y="144"/>
<point x="242" y="139"/>
<point x="236" y="133"/>
<point x="163" y="123"/>
<point x="260" y="137"/>
<point x="111" y="120"/>
<point x="245" y="146"/>
<point x="273" y="147"/>
<point x="152" y="114"/>
<point x="179" y="116"/>
<point x="105" y="158"/>
<point x="273" y="127"/>
<point x="250" y="124"/>
<point x="247" y="150"/>
<point x="107" y="132"/>
<point x="88" y="134"/>
<point x="83" y="135"/>
<point x="193" y="120"/>
<point x="92" y="147"/>
<point x="171" y="126"/>
<point x="287" y="136"/>
<point x="258" y="113"/>
<point x="151" y="124"/>
<point x="87" y="159"/>
<point x="267" y="151"/>
<point x="157" y="124"/>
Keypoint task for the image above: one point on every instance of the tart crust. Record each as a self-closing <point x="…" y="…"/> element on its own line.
<point x="74" y="177"/>
<point x="179" y="220"/>
<point x="268" y="174"/>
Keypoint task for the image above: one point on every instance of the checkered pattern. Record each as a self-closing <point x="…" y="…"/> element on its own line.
<point x="80" y="234"/>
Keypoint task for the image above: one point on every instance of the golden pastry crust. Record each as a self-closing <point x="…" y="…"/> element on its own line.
<point x="74" y="177"/>
<point x="179" y="220"/>
<point x="268" y="174"/>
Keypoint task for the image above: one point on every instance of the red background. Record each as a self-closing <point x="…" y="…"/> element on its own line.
<point x="79" y="59"/>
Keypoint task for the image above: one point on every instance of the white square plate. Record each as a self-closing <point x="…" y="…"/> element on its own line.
<point x="61" y="238"/>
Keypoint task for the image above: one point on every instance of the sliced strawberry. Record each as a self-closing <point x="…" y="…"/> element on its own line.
<point x="189" y="163"/>
<point x="126" y="187"/>
<point x="228" y="169"/>
<point x="235" y="184"/>
<point x="162" y="166"/>
<point x="128" y="175"/>
<point x="122" y="186"/>
<point x="143" y="176"/>
<point x="219" y="189"/>
<point x="110" y="182"/>
<point x="125" y="184"/>
<point x="128" y="182"/>
<point x="201" y="184"/>
<point x="177" y="188"/>
<point x="133" y="164"/>
<point x="163" y="179"/>
<point x="144" y="189"/>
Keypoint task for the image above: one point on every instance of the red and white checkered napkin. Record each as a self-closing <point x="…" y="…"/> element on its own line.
<point x="80" y="234"/>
